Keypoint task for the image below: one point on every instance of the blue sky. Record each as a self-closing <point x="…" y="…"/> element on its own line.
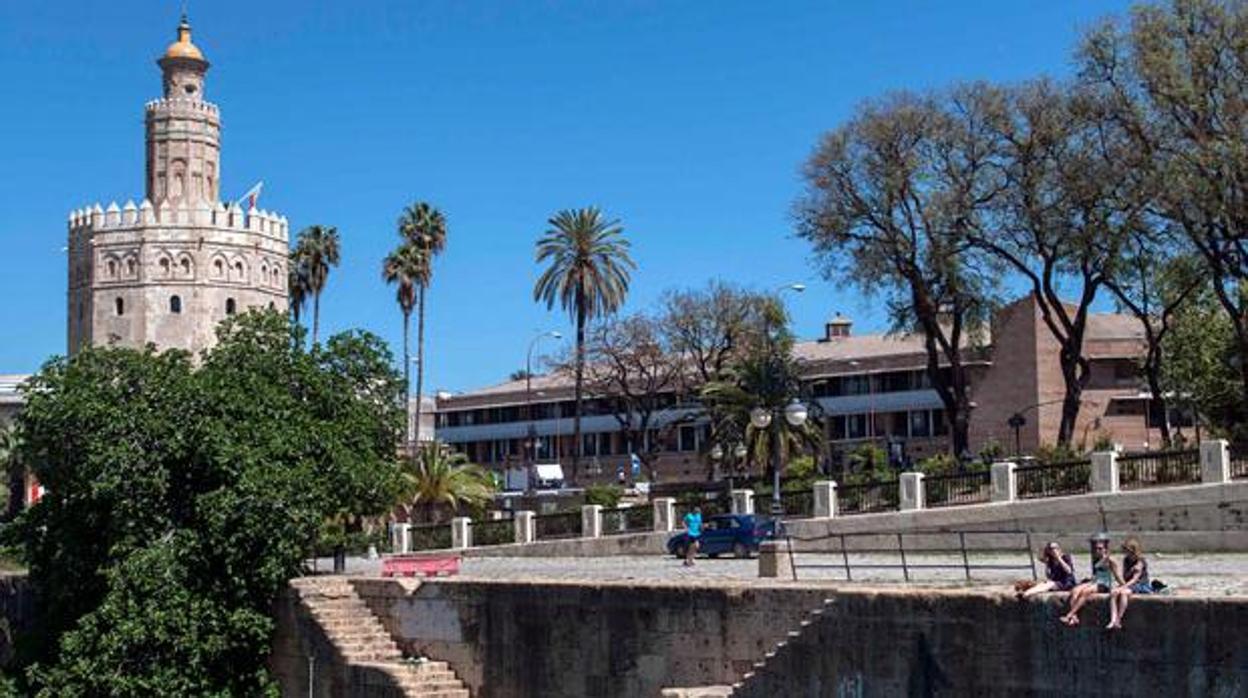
<point x="687" y="120"/>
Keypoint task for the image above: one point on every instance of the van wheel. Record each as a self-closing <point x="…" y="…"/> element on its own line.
<point x="741" y="550"/>
<point x="681" y="551"/>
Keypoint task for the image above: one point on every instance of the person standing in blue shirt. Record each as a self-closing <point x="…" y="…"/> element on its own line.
<point x="693" y="530"/>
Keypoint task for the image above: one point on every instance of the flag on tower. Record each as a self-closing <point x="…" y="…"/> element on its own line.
<point x="249" y="199"/>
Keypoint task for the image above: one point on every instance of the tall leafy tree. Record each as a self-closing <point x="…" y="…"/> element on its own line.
<point x="1154" y="281"/>
<point x="892" y="200"/>
<point x="1198" y="369"/>
<point x="711" y="327"/>
<point x="1177" y="77"/>
<point x="317" y="251"/>
<point x="630" y="360"/>
<point x="1069" y="197"/>
<point x="424" y="227"/>
<point x="182" y="496"/>
<point x="12" y="469"/>
<point x="404" y="267"/>
<point x="587" y="275"/>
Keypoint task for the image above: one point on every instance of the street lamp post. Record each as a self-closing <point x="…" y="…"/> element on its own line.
<point x="531" y="442"/>
<point x="794" y="413"/>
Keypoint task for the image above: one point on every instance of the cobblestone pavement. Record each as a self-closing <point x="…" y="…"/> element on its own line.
<point x="1213" y="574"/>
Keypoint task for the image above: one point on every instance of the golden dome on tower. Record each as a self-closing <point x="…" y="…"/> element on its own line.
<point x="183" y="48"/>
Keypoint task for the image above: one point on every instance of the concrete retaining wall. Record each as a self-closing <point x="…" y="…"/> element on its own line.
<point x="933" y="644"/>
<point x="508" y="640"/>
<point x="513" y="640"/>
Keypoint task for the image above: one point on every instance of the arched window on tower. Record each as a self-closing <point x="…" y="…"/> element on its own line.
<point x="164" y="266"/>
<point x="175" y="305"/>
<point x="120" y="306"/>
<point x="112" y="269"/>
<point x="230" y="306"/>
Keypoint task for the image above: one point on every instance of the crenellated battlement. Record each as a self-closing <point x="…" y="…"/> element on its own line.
<point x="179" y="104"/>
<point x="95" y="218"/>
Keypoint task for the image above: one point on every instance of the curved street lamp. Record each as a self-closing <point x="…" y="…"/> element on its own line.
<point x="530" y="443"/>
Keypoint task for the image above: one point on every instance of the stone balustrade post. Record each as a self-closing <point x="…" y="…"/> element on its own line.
<point x="775" y="559"/>
<point x="402" y="542"/>
<point x="742" y="501"/>
<point x="825" y="499"/>
<point x="1215" y="462"/>
<point x="1105" y="472"/>
<point x="911" y="496"/>
<point x="525" y="524"/>
<point x="1004" y="482"/>
<point x="665" y="514"/>
<point x="591" y="521"/>
<point x="461" y="532"/>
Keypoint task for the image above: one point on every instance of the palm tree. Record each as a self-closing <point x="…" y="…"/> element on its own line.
<point x="297" y="284"/>
<point x="438" y="480"/>
<point x="318" y="249"/>
<point x="424" y="227"/>
<point x="404" y="267"/>
<point x="587" y="276"/>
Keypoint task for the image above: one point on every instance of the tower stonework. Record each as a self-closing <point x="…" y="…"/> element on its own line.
<point x="168" y="270"/>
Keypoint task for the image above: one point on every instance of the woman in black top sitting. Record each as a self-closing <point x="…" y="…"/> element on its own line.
<point x="1059" y="571"/>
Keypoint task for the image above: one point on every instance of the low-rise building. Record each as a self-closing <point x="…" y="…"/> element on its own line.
<point x="869" y="388"/>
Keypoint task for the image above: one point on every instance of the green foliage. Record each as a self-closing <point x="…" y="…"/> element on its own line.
<point x="317" y="250"/>
<point x="181" y="498"/>
<point x="1198" y="369"/>
<point x="939" y="464"/>
<point x="1056" y="453"/>
<point x="868" y="463"/>
<point x="438" y="481"/>
<point x="991" y="451"/>
<point x="606" y="495"/>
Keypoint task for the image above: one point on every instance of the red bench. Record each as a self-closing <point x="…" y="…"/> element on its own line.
<point x="423" y="565"/>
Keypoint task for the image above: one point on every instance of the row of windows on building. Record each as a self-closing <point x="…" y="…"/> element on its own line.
<point x="909" y="424"/>
<point x="175" y="306"/>
<point x="835" y="386"/>
<point x="270" y="275"/>
<point x="683" y="439"/>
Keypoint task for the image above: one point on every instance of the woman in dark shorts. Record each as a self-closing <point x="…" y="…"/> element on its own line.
<point x="1135" y="581"/>
<point x="1059" y="571"/>
<point x="1104" y="575"/>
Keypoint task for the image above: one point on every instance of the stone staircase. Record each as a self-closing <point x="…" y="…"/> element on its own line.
<point x="746" y="685"/>
<point x="364" y="645"/>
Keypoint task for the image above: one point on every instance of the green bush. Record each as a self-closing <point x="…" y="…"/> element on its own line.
<point x="608" y="496"/>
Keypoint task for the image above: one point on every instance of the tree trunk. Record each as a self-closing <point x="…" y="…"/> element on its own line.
<point x="420" y="360"/>
<point x="1152" y="375"/>
<point x="316" y="315"/>
<point x="580" y="380"/>
<point x="407" y="378"/>
<point x="1073" y="378"/>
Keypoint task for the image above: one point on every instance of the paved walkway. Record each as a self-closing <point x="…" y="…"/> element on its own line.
<point x="1213" y="574"/>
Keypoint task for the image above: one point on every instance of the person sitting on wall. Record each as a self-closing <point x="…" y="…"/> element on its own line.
<point x="1059" y="572"/>
<point x="1104" y="576"/>
<point x="1135" y="572"/>
<point x="693" y="529"/>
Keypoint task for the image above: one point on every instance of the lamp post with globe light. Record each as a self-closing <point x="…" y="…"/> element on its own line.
<point x="795" y="413"/>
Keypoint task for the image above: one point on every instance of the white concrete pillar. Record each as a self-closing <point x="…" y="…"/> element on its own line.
<point x="461" y="532"/>
<point x="775" y="559"/>
<point x="742" y="501"/>
<point x="1105" y="472"/>
<point x="402" y="542"/>
<point x="591" y="521"/>
<point x="526" y="527"/>
<point x="1215" y="462"/>
<point x="825" y="499"/>
<point x="912" y="497"/>
<point x="665" y="514"/>
<point x="1004" y="482"/>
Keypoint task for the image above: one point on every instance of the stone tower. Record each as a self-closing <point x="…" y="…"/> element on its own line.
<point x="167" y="271"/>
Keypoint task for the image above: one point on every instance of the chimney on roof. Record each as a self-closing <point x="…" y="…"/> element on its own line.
<point x="837" y="328"/>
